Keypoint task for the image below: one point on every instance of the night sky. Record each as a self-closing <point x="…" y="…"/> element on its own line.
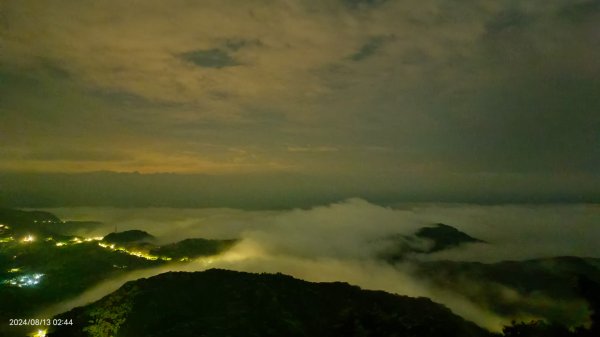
<point x="223" y="103"/>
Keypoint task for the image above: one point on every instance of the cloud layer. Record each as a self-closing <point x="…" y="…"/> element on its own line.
<point x="356" y="228"/>
<point x="398" y="89"/>
<point x="342" y="242"/>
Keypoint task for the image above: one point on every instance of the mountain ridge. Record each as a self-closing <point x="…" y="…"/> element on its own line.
<point x="220" y="302"/>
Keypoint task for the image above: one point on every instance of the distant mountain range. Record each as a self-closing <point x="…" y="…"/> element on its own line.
<point x="225" y="303"/>
<point x="18" y="217"/>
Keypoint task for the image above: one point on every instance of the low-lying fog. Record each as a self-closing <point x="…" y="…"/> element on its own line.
<point x="340" y="242"/>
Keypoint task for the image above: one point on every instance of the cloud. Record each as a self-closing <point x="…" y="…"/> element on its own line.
<point x="342" y="242"/>
<point x="368" y="49"/>
<point x="75" y="154"/>
<point x="366" y="275"/>
<point x="517" y="232"/>
<point x="482" y="87"/>
<point x="282" y="187"/>
<point x="327" y="243"/>
<point x="579" y="11"/>
<point x="479" y="100"/>
<point x="355" y="228"/>
<point x="312" y="149"/>
<point x="361" y="4"/>
<point x="211" y="58"/>
<point x="235" y="44"/>
<point x="506" y="21"/>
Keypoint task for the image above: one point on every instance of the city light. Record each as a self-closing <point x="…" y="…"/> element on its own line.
<point x="77" y="240"/>
<point x="104" y="245"/>
<point x="40" y="333"/>
<point x="28" y="238"/>
<point x="27" y="280"/>
<point x="133" y="252"/>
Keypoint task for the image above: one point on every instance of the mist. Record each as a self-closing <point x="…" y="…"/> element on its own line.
<point x="343" y="242"/>
<point x="357" y="228"/>
<point x="368" y="274"/>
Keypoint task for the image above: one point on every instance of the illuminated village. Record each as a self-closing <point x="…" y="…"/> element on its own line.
<point x="43" y="262"/>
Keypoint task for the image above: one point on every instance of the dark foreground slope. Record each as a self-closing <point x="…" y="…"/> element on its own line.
<point x="226" y="303"/>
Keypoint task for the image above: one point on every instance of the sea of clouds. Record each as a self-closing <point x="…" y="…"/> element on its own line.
<point x="344" y="241"/>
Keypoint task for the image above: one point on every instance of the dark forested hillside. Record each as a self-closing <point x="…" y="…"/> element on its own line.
<point x="226" y="303"/>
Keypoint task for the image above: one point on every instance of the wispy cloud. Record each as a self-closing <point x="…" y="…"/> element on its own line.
<point x="368" y="49"/>
<point x="210" y="58"/>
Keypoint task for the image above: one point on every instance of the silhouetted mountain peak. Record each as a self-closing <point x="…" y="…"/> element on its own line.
<point x="444" y="236"/>
<point x="426" y="240"/>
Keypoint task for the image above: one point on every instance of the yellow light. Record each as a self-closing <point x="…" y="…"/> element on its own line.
<point x="104" y="245"/>
<point x="28" y="238"/>
<point x="133" y="252"/>
<point x="40" y="333"/>
<point x="60" y="244"/>
<point x="14" y="270"/>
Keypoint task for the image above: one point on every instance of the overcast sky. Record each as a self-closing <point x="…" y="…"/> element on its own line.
<point x="433" y="98"/>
